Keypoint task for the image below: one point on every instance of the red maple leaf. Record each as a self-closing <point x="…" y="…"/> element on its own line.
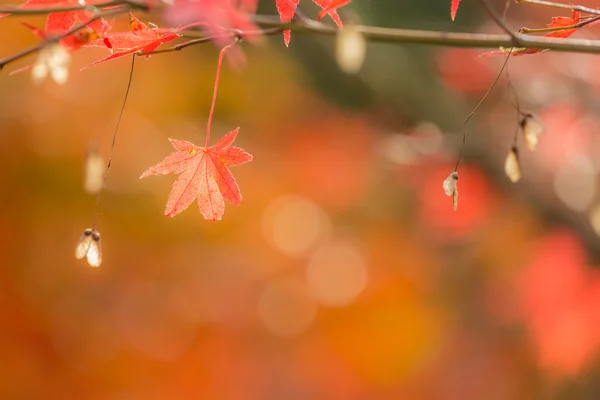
<point x="454" y="8"/>
<point x="71" y="42"/>
<point x="287" y="9"/>
<point x="204" y="175"/>
<point x="60" y="22"/>
<point x="332" y="6"/>
<point x="557" y="22"/>
<point x="140" y="38"/>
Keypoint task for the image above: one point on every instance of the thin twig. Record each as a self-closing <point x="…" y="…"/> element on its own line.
<point x="112" y="145"/>
<point x="40" y="10"/>
<point x="464" y="139"/>
<point x="500" y="22"/>
<point x="561" y="28"/>
<point x="561" y="5"/>
<point x="30" y="50"/>
<point x="450" y="39"/>
<point x="506" y="7"/>
<point x="216" y="89"/>
<point x="517" y="107"/>
<point x="230" y="34"/>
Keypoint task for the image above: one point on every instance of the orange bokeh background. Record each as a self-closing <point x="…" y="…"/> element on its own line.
<point x="344" y="273"/>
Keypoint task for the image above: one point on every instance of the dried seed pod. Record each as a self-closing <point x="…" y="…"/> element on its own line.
<point x="89" y="247"/>
<point x="94" y="172"/>
<point x="455" y="199"/>
<point x="532" y="128"/>
<point x="512" y="166"/>
<point x="450" y="186"/>
<point x="350" y="49"/>
<point x="450" y="183"/>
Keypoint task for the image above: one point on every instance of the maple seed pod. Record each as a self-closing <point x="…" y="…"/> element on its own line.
<point x="89" y="247"/>
<point x="455" y="199"/>
<point x="512" y="166"/>
<point x="532" y="128"/>
<point x="350" y="49"/>
<point x="95" y="167"/>
<point x="450" y="186"/>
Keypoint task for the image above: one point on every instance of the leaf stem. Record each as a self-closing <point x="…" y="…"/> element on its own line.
<point x="216" y="89"/>
<point x="112" y="145"/>
<point x="561" y="28"/>
<point x="464" y="139"/>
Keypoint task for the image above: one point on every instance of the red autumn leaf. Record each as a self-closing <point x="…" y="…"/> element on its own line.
<point x="140" y="38"/>
<point x="329" y="7"/>
<point x="60" y="22"/>
<point x="71" y="42"/>
<point x="454" y="8"/>
<point x="204" y="176"/>
<point x="287" y="9"/>
<point x="558" y="22"/>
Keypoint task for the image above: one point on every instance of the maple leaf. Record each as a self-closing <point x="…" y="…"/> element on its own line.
<point x="454" y="8"/>
<point x="557" y="22"/>
<point x="140" y="38"/>
<point x="287" y="9"/>
<point x="204" y="176"/>
<point x="332" y="6"/>
<point x="60" y="22"/>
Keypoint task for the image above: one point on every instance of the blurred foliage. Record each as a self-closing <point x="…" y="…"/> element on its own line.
<point x="344" y="273"/>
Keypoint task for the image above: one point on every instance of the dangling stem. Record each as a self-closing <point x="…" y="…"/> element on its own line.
<point x="112" y="145"/>
<point x="216" y="89"/>
<point x="466" y="121"/>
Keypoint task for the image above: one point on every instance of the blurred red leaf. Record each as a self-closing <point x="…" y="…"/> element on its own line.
<point x="204" y="175"/>
<point x="329" y="8"/>
<point x="454" y="8"/>
<point x="558" y="295"/>
<point x="287" y="9"/>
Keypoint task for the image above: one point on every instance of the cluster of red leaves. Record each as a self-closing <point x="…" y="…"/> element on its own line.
<point x="140" y="38"/>
<point x="204" y="176"/>
<point x="287" y="9"/>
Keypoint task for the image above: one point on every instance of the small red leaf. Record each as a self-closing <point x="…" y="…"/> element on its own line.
<point x="204" y="176"/>
<point x="558" y="22"/>
<point x="330" y="7"/>
<point x="454" y="8"/>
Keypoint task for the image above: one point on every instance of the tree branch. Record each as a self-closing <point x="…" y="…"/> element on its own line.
<point x="450" y="39"/>
<point x="25" y="52"/>
<point x="560" y="5"/>
<point x="43" y="10"/>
